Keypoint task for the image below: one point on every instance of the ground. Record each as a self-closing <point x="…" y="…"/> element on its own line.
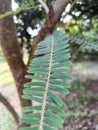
<point x="82" y="112"/>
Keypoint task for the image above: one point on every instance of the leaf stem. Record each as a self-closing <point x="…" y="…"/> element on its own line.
<point x="47" y="86"/>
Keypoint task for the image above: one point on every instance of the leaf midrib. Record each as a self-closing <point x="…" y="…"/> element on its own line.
<point x="47" y="86"/>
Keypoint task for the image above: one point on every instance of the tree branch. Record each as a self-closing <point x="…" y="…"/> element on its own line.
<point x="11" y="49"/>
<point x="59" y="7"/>
<point x="49" y="26"/>
<point x="44" y="6"/>
<point x="9" y="107"/>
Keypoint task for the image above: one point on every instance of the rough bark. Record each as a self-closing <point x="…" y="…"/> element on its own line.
<point x="11" y="49"/>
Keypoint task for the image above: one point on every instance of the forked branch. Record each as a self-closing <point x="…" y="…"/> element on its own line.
<point x="49" y="26"/>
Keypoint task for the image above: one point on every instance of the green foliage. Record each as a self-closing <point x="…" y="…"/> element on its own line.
<point x="49" y="72"/>
<point x="80" y="102"/>
<point x="80" y="89"/>
<point x="30" y="15"/>
<point x="25" y="6"/>
<point x="86" y="43"/>
<point x="83" y="17"/>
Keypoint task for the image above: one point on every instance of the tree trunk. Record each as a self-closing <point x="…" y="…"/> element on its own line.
<point x="11" y="49"/>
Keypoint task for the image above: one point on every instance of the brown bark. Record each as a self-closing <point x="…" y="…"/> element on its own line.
<point x="11" y="49"/>
<point x="9" y="107"/>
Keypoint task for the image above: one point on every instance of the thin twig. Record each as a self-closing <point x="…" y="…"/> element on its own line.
<point x="44" y="6"/>
<point x="9" y="107"/>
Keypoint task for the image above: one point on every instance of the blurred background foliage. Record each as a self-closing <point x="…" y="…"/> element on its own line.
<point x="82" y="20"/>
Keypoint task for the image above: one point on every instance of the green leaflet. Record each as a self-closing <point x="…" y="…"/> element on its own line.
<point x="31" y="116"/>
<point x="30" y="128"/>
<point x="33" y="68"/>
<point x="60" y="64"/>
<point x="31" y="108"/>
<point x="59" y="48"/>
<point x="60" y="70"/>
<point x="62" y="76"/>
<point x="40" y="100"/>
<point x="40" y="64"/>
<point x="56" y="99"/>
<point x="35" y="77"/>
<point x="31" y="84"/>
<point x="53" y="123"/>
<point x="30" y="121"/>
<point x="59" y="89"/>
<point x="37" y="71"/>
<point x="43" y="51"/>
<point x="35" y="89"/>
<point x="54" y="116"/>
<point x="59" y="59"/>
<point x="55" y="109"/>
<point x="49" y="74"/>
<point x="39" y="60"/>
<point x="48" y="128"/>
<point x="34" y="93"/>
<point x="59" y="53"/>
<point x="59" y="82"/>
